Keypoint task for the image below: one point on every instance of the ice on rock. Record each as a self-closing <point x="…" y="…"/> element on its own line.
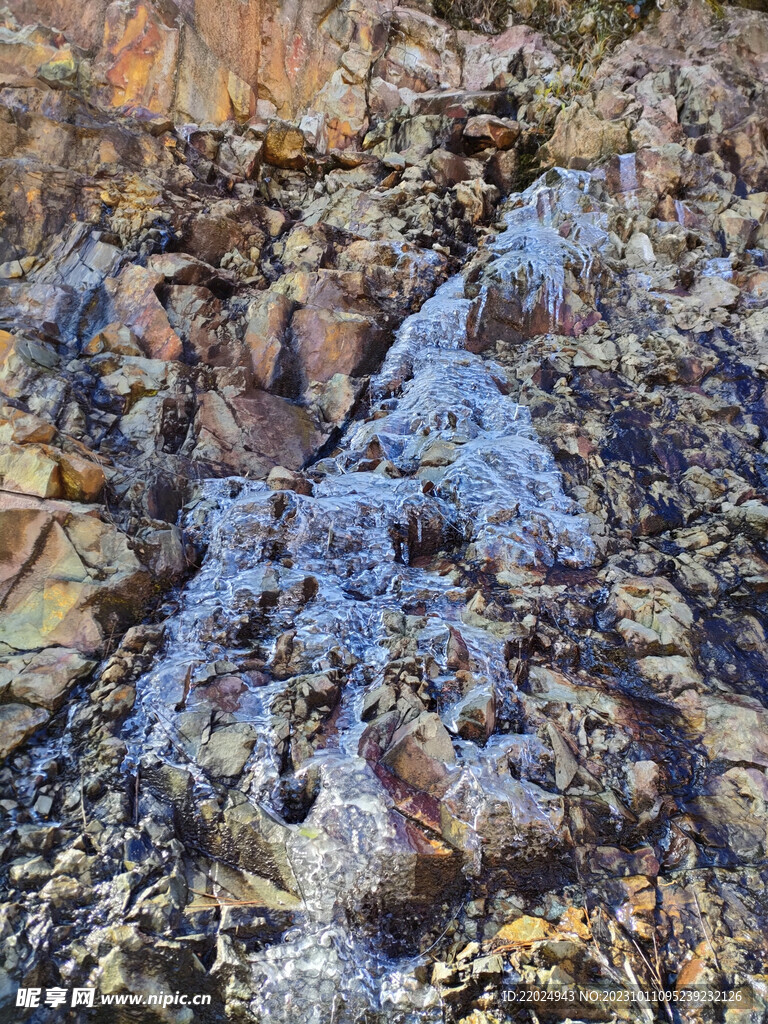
<point x="326" y="570"/>
<point x="533" y="254"/>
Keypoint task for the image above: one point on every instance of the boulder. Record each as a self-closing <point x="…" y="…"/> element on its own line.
<point x="484" y="130"/>
<point x="448" y="169"/>
<point x="250" y="434"/>
<point x="582" y="139"/>
<point x="267" y="344"/>
<point x="422" y="53"/>
<point x="46" y="678"/>
<point x="328" y="342"/>
<point x="21" y="427"/>
<point x="476" y="716"/>
<point x="50" y="473"/>
<point x="420" y="752"/>
<point x="134" y="302"/>
<point x="338" y="397"/>
<point x="241" y="156"/>
<point x="64" y="583"/>
<point x="81" y="479"/>
<point x="116" y="338"/>
<point x="501" y="312"/>
<point x="30" y="470"/>
<point x="282" y="479"/>
<point x="139" y="57"/>
<point x="221" y="751"/>
<point x="656" y="606"/>
<point x="488" y="59"/>
<point x="17" y="723"/>
<point x="219" y="228"/>
<point x="284" y="146"/>
<point x="199" y="319"/>
<point x="345" y="108"/>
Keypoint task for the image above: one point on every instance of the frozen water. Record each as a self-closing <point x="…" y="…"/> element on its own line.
<point x="445" y="461"/>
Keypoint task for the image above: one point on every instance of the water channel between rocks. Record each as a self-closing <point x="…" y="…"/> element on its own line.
<point x="313" y="596"/>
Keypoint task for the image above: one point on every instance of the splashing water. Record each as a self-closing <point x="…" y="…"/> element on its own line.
<point x="445" y="462"/>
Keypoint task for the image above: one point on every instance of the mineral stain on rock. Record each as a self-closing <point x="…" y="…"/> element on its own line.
<point x="384" y="510"/>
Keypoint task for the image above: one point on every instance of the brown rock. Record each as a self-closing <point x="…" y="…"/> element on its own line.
<point x="181" y="268"/>
<point x="502" y="170"/>
<point x="420" y="752"/>
<point x="200" y="319"/>
<point x="47" y="677"/>
<point x="17" y="722"/>
<point x="22" y="427"/>
<point x="61" y="582"/>
<point x="251" y="434"/>
<point x="241" y="156"/>
<point x="225" y="226"/>
<point x="266" y="341"/>
<point x="329" y="342"/>
<point x="134" y="302"/>
<point x="476" y="719"/>
<point x="449" y="169"/>
<point x="81" y="479"/>
<point x="485" y="130"/>
<point x="739" y="232"/>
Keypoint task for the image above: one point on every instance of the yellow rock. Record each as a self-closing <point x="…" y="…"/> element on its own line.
<point x="575" y="922"/>
<point x="241" y="95"/>
<point x="526" y="929"/>
<point x="30" y="470"/>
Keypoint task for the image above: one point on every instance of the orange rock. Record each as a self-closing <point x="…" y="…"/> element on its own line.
<point x="575" y="921"/>
<point x="693" y="974"/>
<point x="134" y="302"/>
<point x="25" y="428"/>
<point x="115" y="337"/>
<point x="141" y="57"/>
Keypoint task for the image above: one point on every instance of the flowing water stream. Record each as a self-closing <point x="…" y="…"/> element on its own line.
<point x="445" y="471"/>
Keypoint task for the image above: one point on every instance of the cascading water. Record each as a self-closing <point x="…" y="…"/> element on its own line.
<point x="445" y="463"/>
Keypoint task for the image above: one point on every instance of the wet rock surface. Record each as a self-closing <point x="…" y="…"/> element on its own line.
<point x="383" y="531"/>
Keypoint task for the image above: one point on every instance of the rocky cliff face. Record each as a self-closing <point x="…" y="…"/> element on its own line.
<point x="383" y="512"/>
